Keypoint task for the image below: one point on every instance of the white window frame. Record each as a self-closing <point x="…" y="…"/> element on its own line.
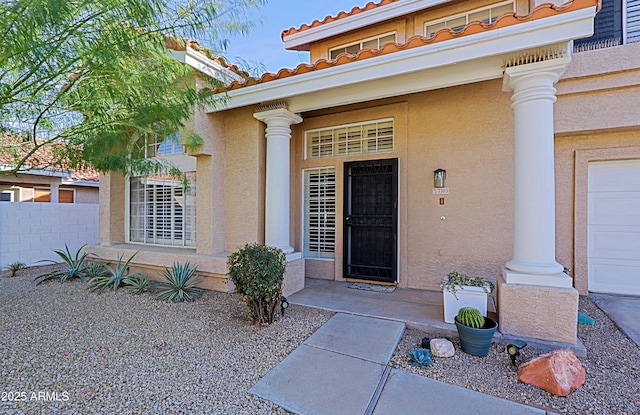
<point x="363" y="41"/>
<point x="186" y="243"/>
<point x="305" y="212"/>
<point x="336" y="143"/>
<point x="465" y="15"/>
<point x="10" y="193"/>
<point x="66" y="189"/>
<point x="151" y="148"/>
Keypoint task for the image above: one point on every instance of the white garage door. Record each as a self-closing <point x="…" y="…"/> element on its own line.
<point x="614" y="227"/>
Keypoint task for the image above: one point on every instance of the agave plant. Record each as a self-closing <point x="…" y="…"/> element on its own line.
<point x="180" y="283"/>
<point x="139" y="284"/>
<point x="73" y="266"/>
<point x="113" y="276"/>
<point x="94" y="269"/>
<point x="420" y="357"/>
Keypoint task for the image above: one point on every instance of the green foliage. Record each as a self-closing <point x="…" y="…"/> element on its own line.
<point x="470" y="317"/>
<point x="94" y="269"/>
<point x="93" y="78"/>
<point x="180" y="283"/>
<point x="420" y="357"/>
<point x="15" y="267"/>
<point x="113" y="276"/>
<point x="73" y="266"/>
<point x="139" y="284"/>
<point x="456" y="280"/>
<point x="258" y="273"/>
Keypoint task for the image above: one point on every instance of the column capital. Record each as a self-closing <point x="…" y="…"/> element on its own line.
<point x="278" y="114"/>
<point x="551" y="70"/>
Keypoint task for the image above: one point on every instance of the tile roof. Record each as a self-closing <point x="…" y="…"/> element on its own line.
<point x="505" y="20"/>
<point x="42" y="159"/>
<point x="180" y="45"/>
<point x="356" y="10"/>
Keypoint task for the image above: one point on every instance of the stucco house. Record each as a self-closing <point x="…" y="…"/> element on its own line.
<point x="334" y="161"/>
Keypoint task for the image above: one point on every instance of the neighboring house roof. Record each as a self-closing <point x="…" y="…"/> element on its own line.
<point x="343" y="14"/>
<point x="42" y="162"/>
<point x="506" y="20"/>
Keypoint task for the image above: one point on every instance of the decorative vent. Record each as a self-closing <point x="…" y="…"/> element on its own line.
<point x="271" y="106"/>
<point x="537" y="55"/>
<point x="597" y="44"/>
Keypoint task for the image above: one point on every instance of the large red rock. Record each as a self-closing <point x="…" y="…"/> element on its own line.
<point x="558" y="372"/>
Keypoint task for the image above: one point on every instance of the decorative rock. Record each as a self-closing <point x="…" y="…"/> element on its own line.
<point x="442" y="348"/>
<point x="558" y="372"/>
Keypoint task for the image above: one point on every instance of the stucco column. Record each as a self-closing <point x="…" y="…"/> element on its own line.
<point x="277" y="198"/>
<point x="54" y="189"/>
<point x="534" y="244"/>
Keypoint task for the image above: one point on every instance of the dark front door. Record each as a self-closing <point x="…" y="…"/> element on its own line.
<point x="371" y="220"/>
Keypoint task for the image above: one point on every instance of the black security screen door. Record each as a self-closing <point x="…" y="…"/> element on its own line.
<point x="371" y="220"/>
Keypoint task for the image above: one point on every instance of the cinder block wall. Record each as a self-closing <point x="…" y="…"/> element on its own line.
<point x="29" y="231"/>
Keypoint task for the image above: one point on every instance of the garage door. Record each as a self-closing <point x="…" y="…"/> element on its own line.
<point x="614" y="227"/>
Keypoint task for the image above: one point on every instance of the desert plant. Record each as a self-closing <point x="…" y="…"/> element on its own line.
<point x="139" y="284"/>
<point x="73" y="266"/>
<point x="180" y="283"/>
<point x="14" y="267"/>
<point x="113" y="276"/>
<point x="456" y="280"/>
<point x="420" y="357"/>
<point x="258" y="273"/>
<point x="94" y="269"/>
<point x="470" y="317"/>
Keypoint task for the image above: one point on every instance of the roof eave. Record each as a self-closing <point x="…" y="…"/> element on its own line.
<point x="464" y="50"/>
<point x="302" y="39"/>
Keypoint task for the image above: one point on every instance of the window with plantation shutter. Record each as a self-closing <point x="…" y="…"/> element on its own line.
<point x="162" y="211"/>
<point x="320" y="212"/>
<point x="364" y="138"/>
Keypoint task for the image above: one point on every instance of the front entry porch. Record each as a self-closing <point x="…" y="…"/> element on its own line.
<point x="418" y="309"/>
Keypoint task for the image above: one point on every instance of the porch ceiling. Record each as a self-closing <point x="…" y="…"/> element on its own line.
<point x="473" y="58"/>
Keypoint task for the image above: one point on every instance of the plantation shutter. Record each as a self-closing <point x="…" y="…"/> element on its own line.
<point x="633" y="21"/>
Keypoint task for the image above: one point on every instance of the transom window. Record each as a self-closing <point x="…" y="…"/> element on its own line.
<point x="168" y="146"/>
<point x="456" y="23"/>
<point x="162" y="212"/>
<point x="370" y="43"/>
<point x="320" y="212"/>
<point x="364" y="138"/>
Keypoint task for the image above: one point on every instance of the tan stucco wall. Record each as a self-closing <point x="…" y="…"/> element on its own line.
<point x="112" y="209"/>
<point x="467" y="131"/>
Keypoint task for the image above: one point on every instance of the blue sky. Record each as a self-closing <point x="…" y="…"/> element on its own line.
<point x="264" y="45"/>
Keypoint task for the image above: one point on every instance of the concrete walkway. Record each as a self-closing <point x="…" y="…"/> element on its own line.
<point x="623" y="310"/>
<point x="342" y="369"/>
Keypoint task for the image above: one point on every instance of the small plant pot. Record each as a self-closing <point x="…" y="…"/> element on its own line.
<point x="477" y="342"/>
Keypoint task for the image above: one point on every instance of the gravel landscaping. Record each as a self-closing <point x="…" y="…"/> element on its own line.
<point x="118" y="353"/>
<point x="612" y="364"/>
<point x="67" y="350"/>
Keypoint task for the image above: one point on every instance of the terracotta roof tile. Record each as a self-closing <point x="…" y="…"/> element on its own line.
<point x="356" y="10"/>
<point x="180" y="45"/>
<point x="505" y="20"/>
<point x="44" y="158"/>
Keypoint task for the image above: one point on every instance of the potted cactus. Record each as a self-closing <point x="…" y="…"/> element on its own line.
<point x="475" y="331"/>
<point x="460" y="290"/>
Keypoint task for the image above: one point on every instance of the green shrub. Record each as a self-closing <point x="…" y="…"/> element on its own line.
<point x="113" y="277"/>
<point x="73" y="266"/>
<point x="15" y="267"/>
<point x="180" y="283"/>
<point x="258" y="273"/>
<point x="470" y="317"/>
